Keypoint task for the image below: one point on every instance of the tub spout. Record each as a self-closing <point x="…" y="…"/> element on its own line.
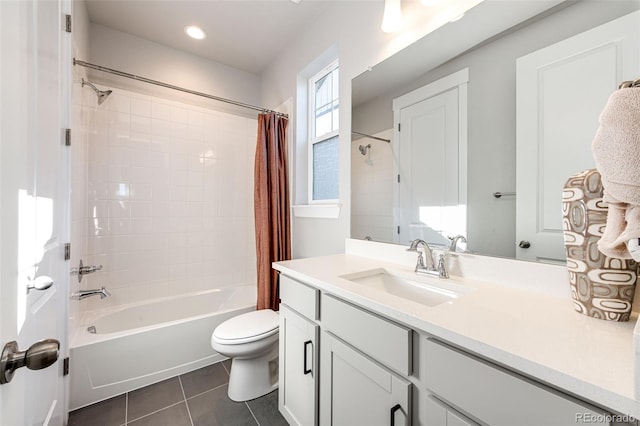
<point x="83" y="294"/>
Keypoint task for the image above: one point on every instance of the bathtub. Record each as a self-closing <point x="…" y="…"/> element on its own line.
<point x="143" y="343"/>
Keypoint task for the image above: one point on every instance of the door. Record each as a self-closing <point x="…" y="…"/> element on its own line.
<point x="33" y="199"/>
<point x="299" y="379"/>
<point x="356" y="391"/>
<point x="557" y="110"/>
<point x="430" y="144"/>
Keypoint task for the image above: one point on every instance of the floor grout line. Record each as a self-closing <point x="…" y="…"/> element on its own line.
<point x="184" y="395"/>
<point x="253" y="415"/>
<point x="162" y="409"/>
<point x="126" y="408"/>
<point x="225" y="368"/>
<point x="209" y="390"/>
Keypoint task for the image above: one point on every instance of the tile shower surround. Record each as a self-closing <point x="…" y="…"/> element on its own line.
<point x="169" y="198"/>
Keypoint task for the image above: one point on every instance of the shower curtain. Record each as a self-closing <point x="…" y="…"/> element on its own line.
<point x="271" y="206"/>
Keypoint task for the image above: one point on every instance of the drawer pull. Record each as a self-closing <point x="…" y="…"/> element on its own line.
<point x="393" y="413"/>
<point x="307" y="370"/>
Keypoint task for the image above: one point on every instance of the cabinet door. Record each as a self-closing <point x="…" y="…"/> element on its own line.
<point x="439" y="414"/>
<point x="358" y="391"/>
<point x="298" y="381"/>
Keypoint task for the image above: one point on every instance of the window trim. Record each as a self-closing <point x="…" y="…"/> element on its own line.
<point x="311" y="139"/>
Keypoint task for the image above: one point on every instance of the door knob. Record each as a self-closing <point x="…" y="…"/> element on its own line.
<point x="41" y="283"/>
<point x="524" y="244"/>
<point x="40" y="355"/>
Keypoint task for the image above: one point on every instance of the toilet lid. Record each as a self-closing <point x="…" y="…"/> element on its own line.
<point x="240" y="329"/>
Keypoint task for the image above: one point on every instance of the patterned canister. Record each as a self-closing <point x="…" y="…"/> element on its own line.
<point x="601" y="287"/>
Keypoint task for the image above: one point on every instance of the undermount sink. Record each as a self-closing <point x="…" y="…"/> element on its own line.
<point x="429" y="291"/>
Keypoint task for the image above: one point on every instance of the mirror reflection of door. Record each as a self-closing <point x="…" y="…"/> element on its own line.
<point x="558" y="104"/>
<point x="430" y="135"/>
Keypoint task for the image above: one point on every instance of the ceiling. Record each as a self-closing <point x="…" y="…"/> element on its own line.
<point x="244" y="34"/>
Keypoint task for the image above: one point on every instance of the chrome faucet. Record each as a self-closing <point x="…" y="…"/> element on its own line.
<point x="83" y="294"/>
<point x="425" y="264"/>
<point x="454" y="242"/>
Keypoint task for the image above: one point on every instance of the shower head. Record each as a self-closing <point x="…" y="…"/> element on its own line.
<point x="102" y="94"/>
<point x="363" y="148"/>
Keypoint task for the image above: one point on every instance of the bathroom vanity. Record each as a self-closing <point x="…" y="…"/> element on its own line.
<point x="365" y="341"/>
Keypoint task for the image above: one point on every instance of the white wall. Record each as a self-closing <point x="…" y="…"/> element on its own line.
<point x="170" y="198"/>
<point x="134" y="55"/>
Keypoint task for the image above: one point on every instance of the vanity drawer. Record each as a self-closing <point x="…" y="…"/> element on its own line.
<point x="381" y="339"/>
<point x="300" y="297"/>
<point x="495" y="395"/>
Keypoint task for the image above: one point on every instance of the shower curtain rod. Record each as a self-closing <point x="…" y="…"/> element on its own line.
<point x="371" y="137"/>
<point x="171" y="86"/>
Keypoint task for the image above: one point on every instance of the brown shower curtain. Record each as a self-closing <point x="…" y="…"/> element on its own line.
<point x="271" y="206"/>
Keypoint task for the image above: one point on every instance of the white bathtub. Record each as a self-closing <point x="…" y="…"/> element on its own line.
<point x="140" y="344"/>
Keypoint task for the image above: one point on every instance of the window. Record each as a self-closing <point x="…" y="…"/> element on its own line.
<point x="323" y="135"/>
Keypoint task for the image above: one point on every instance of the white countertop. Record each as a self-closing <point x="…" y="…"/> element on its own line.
<point x="536" y="333"/>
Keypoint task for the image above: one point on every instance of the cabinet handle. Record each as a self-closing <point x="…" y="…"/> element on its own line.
<point x="393" y="413"/>
<point x="306" y="370"/>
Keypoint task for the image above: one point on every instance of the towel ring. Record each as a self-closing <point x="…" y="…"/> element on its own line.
<point x="625" y="84"/>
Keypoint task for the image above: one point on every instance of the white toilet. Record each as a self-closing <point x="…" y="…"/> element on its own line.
<point x="251" y="341"/>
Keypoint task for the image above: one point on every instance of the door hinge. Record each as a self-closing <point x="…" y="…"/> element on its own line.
<point x="398" y="177"/>
<point x="67" y="137"/>
<point x="67" y="251"/>
<point x="398" y="230"/>
<point x="398" y="126"/>
<point x="68" y="23"/>
<point x="65" y="366"/>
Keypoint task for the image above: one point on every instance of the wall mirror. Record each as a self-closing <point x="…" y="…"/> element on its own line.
<point x="537" y="76"/>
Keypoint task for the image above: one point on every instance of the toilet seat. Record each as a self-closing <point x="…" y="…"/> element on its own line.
<point x="248" y="327"/>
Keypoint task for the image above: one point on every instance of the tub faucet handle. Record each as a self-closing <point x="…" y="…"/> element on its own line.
<point x="84" y="270"/>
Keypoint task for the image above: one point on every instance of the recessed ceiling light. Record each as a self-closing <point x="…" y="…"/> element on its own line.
<point x="195" y="32"/>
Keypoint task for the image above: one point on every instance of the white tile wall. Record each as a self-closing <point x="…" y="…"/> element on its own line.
<point x="82" y="118"/>
<point x="169" y="199"/>
<point x="372" y="189"/>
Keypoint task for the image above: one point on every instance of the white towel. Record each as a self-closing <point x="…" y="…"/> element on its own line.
<point x="616" y="149"/>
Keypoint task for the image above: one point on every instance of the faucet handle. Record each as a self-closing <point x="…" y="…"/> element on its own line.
<point x="442" y="267"/>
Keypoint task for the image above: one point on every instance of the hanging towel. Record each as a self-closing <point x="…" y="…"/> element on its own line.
<point x="616" y="149"/>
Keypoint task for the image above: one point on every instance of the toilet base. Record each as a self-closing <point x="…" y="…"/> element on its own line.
<point x="255" y="377"/>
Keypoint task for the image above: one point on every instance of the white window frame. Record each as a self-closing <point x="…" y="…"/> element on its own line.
<point x="312" y="140"/>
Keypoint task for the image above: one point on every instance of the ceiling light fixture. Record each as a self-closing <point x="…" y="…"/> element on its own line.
<point x="392" y="20"/>
<point x="195" y="32"/>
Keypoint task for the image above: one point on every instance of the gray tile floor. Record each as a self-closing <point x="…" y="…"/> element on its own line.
<point x="198" y="398"/>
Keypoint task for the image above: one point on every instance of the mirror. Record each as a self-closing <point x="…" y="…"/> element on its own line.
<point x="488" y="42"/>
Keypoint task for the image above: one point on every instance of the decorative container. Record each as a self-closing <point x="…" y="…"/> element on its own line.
<point x="601" y="287"/>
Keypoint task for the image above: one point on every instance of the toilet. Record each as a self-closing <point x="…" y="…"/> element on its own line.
<point x="251" y="341"/>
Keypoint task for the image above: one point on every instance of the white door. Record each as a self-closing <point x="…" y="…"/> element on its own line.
<point x="33" y="200"/>
<point x="430" y="145"/>
<point x="561" y="91"/>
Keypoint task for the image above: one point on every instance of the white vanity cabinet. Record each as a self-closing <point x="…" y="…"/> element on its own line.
<point x="299" y="337"/>
<point x="345" y="365"/>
